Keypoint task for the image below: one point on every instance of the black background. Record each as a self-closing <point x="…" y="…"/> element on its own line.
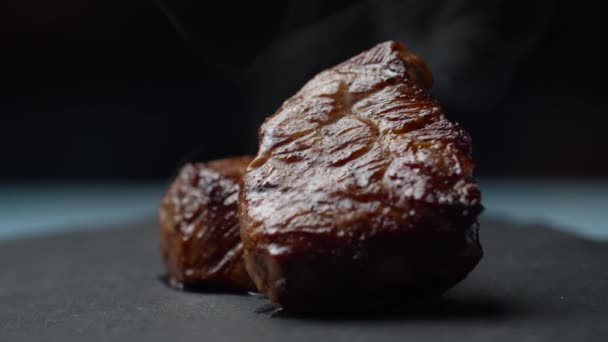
<point x="131" y="89"/>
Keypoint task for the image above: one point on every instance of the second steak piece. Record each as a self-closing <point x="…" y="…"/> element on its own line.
<point x="361" y="189"/>
<point x="199" y="225"/>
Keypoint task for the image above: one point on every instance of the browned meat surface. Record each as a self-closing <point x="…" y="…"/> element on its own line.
<point x="199" y="226"/>
<point x="361" y="186"/>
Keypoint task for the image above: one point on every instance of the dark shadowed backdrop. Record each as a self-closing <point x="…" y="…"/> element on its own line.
<point x="129" y="90"/>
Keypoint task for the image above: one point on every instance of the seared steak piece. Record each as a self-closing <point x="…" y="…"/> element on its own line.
<point x="361" y="186"/>
<point x="199" y="225"/>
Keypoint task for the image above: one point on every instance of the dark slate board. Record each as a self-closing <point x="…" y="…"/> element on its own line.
<point x="534" y="284"/>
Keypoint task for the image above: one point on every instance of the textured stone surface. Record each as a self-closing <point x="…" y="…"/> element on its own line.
<point x="534" y="284"/>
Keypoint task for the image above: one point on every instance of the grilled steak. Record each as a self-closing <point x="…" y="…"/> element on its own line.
<point x="361" y="186"/>
<point x="199" y="225"/>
